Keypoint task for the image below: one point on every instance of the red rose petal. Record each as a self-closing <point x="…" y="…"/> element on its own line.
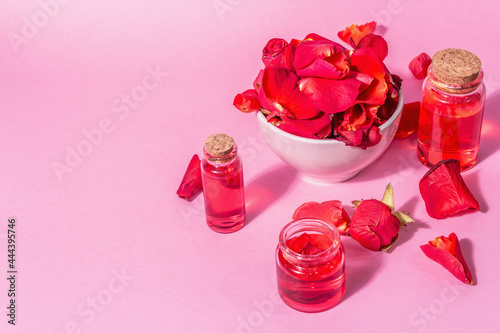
<point x="365" y="60"/>
<point x="377" y="43"/>
<point x="191" y="182"/>
<point x="328" y="211"/>
<point x="248" y="101"/>
<point x="409" y="120"/>
<point x="330" y="96"/>
<point x="444" y="191"/>
<point x="309" y="50"/>
<point x="280" y="92"/>
<point x="312" y="126"/>
<point x="354" y="33"/>
<point x="419" y="65"/>
<point x="446" y="251"/>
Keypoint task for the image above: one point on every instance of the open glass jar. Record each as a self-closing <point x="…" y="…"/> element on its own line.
<point x="310" y="264"/>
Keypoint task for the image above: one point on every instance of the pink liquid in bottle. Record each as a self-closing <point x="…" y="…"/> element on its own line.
<point x="223" y="188"/>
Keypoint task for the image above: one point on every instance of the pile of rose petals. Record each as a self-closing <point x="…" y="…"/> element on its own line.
<point x="316" y="88"/>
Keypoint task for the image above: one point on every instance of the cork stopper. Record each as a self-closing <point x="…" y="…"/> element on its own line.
<point x="455" y="66"/>
<point x="219" y="144"/>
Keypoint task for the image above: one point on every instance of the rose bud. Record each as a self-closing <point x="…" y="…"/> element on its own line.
<point x="191" y="182"/>
<point x="276" y="53"/>
<point x="374" y="224"/>
<point x="444" y="191"/>
<point x="328" y="211"/>
<point x="419" y="65"/>
<point x="446" y="252"/>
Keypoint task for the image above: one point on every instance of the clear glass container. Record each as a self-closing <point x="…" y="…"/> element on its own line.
<point x="451" y="116"/>
<point x="310" y="264"/>
<point x="223" y="188"/>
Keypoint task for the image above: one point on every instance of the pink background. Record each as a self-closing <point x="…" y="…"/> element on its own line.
<point x="114" y="211"/>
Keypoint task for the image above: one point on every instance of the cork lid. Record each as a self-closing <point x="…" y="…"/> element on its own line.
<point x="455" y="66"/>
<point x="219" y="144"/>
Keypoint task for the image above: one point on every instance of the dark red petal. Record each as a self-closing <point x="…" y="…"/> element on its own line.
<point x="353" y="34"/>
<point x="444" y="191"/>
<point x="446" y="251"/>
<point x="248" y="101"/>
<point x="328" y="211"/>
<point x="376" y="42"/>
<point x="419" y="65"/>
<point x="191" y="182"/>
<point x="330" y="96"/>
<point x="409" y="120"/>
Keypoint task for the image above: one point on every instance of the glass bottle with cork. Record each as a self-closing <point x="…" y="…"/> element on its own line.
<point x="223" y="189"/>
<point x="452" y="108"/>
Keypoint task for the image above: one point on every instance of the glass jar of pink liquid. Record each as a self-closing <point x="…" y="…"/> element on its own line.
<point x="310" y="264"/>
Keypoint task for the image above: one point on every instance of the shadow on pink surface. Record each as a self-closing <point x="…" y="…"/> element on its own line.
<point x="266" y="188"/>
<point x="490" y="133"/>
<point x="361" y="265"/>
<point x="467" y="251"/>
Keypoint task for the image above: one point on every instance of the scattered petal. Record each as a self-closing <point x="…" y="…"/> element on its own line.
<point x="328" y="211"/>
<point x="446" y="252"/>
<point x="419" y="65"/>
<point x="409" y="120"/>
<point x="444" y="191"/>
<point x="191" y="182"/>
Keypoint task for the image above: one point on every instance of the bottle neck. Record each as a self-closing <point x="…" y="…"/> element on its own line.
<point x="454" y="89"/>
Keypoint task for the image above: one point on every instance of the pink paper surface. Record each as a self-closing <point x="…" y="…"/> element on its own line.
<point x="118" y="95"/>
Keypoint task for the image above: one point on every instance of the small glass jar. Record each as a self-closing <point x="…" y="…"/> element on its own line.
<point x="452" y="108"/>
<point x="310" y="264"/>
<point x="223" y="189"/>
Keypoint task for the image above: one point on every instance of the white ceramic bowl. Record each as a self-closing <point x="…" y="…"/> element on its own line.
<point x="327" y="160"/>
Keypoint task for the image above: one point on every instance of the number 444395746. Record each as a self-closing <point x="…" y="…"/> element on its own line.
<point x="11" y="235"/>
